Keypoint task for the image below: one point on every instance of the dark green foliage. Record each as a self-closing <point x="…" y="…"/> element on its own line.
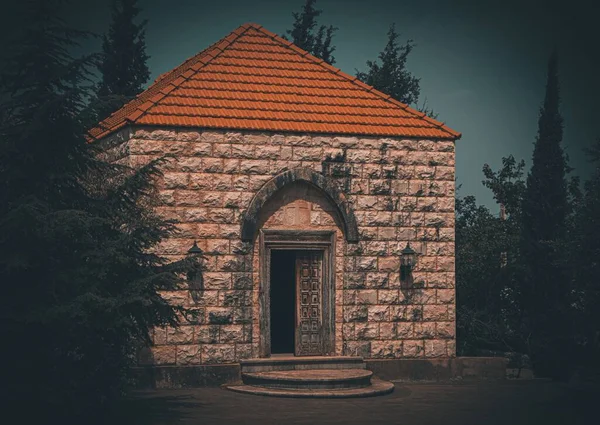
<point x="322" y="47"/>
<point x="427" y="110"/>
<point x="123" y="61"/>
<point x="303" y="33"/>
<point x="507" y="185"/>
<point x="545" y="285"/>
<point x="304" y="25"/>
<point x="319" y="39"/>
<point x="530" y="283"/>
<point x="390" y="75"/>
<point x="487" y="264"/>
<point x="79" y="280"/>
<point x="582" y="254"/>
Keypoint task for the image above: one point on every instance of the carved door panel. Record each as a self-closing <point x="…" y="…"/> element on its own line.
<point x="309" y="303"/>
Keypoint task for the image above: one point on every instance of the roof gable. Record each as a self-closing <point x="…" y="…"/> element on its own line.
<point x="255" y="80"/>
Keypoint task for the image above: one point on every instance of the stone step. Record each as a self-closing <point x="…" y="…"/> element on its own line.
<point x="376" y="388"/>
<point x="322" y="379"/>
<point x="301" y="363"/>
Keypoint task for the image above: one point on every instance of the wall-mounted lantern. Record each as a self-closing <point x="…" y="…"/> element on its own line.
<point x="408" y="259"/>
<point x="194" y="277"/>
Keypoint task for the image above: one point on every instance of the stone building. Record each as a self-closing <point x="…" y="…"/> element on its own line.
<point x="301" y="185"/>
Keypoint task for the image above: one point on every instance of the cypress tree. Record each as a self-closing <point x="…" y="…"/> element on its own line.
<point x="80" y="281"/>
<point x="545" y="284"/>
<point x="391" y="76"/>
<point x="123" y="61"/>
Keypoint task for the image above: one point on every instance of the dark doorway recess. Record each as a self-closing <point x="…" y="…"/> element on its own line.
<point x="283" y="301"/>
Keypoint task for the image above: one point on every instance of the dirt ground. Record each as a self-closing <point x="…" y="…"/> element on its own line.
<point x="502" y="402"/>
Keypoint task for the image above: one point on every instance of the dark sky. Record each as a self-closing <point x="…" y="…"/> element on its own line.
<point x="482" y="63"/>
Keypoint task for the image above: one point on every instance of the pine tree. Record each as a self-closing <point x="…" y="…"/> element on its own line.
<point x="123" y="63"/>
<point x="391" y="76"/>
<point x="545" y="285"/>
<point x="80" y="282"/>
<point x="322" y="47"/>
<point x="304" y="25"/>
<point x="303" y="36"/>
<point x="319" y="40"/>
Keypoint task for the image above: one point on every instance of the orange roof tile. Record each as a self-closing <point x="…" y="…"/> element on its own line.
<point x="255" y="80"/>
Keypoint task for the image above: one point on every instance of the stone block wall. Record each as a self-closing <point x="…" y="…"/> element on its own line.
<point x="400" y="190"/>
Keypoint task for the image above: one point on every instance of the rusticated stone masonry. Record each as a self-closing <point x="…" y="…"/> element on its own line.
<point x="399" y="190"/>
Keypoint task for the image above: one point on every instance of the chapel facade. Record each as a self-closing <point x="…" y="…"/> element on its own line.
<point x="303" y="190"/>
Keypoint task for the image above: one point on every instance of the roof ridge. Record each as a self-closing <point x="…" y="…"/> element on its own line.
<point x="356" y="81"/>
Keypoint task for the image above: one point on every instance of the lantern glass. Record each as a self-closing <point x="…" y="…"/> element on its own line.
<point x="408" y="256"/>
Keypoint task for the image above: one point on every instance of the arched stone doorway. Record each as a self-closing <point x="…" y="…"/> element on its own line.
<point x="326" y="186"/>
<point x="300" y="230"/>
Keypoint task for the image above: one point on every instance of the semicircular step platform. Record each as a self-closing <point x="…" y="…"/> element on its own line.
<point x="309" y="377"/>
<point x="317" y="379"/>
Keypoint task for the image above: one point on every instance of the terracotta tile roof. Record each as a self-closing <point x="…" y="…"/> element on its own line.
<point x="255" y="80"/>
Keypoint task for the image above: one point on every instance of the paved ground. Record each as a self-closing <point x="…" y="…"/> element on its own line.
<point x="507" y="402"/>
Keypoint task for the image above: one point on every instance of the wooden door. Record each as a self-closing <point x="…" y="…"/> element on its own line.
<point x="309" y="303"/>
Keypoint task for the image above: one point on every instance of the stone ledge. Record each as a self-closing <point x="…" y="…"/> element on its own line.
<point x="443" y="369"/>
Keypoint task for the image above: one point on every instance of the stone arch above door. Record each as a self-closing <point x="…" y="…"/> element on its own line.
<point x="326" y="185"/>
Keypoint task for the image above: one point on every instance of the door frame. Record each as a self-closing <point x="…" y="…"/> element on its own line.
<point x="296" y="240"/>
